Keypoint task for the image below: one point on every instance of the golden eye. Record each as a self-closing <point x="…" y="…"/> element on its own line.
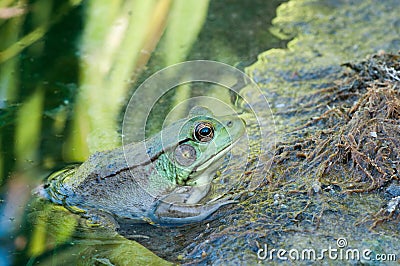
<point x="204" y="132"/>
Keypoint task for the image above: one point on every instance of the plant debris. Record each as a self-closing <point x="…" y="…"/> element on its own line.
<point x="354" y="144"/>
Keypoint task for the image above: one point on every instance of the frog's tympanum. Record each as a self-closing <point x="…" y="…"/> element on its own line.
<point x="161" y="180"/>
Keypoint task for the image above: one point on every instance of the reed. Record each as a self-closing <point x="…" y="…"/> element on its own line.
<point x="117" y="42"/>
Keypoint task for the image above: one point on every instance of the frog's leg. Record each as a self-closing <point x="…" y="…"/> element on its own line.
<point x="168" y="213"/>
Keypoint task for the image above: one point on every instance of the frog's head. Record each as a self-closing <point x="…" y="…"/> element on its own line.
<point x="203" y="139"/>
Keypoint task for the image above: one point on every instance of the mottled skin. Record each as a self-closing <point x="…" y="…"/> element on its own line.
<point x="160" y="180"/>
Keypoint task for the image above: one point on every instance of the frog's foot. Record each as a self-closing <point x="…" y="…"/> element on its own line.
<point x="167" y="213"/>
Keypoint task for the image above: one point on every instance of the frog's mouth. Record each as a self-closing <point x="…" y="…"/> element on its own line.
<point x="209" y="166"/>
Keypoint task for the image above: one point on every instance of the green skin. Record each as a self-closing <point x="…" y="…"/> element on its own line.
<point x="152" y="181"/>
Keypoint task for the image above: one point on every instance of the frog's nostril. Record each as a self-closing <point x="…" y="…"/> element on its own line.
<point x="229" y="124"/>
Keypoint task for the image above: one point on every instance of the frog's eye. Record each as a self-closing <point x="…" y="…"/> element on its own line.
<point x="185" y="154"/>
<point x="204" y="132"/>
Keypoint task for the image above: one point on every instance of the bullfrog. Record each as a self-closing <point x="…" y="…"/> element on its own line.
<point x="160" y="180"/>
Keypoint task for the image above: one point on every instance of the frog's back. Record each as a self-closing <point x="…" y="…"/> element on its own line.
<point x="104" y="164"/>
<point x="107" y="182"/>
